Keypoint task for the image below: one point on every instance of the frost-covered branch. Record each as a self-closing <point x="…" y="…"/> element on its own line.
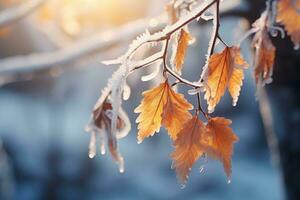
<point x="12" y="15"/>
<point x="97" y="43"/>
<point x="165" y="36"/>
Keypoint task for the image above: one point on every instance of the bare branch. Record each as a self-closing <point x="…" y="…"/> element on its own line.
<point x="97" y="43"/>
<point x="12" y="15"/>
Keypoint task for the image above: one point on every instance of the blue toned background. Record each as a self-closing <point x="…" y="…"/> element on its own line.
<point x="44" y="148"/>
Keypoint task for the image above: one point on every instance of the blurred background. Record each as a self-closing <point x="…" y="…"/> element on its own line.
<point x="51" y="75"/>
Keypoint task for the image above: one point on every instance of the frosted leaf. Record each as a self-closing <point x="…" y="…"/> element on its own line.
<point x="152" y="74"/>
<point x="109" y="116"/>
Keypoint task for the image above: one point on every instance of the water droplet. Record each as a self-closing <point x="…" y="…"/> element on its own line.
<point x="102" y="147"/>
<point x="92" y="155"/>
<point x="234" y="103"/>
<point x="102" y="150"/>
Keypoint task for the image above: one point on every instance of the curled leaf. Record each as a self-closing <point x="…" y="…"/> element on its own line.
<point x="101" y="125"/>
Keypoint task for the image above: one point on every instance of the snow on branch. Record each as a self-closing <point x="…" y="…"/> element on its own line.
<point x="11" y="15"/>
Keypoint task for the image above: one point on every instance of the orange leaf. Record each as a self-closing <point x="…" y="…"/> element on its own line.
<point x="221" y="143"/>
<point x="288" y="15"/>
<point x="175" y="112"/>
<point x="161" y="105"/>
<point x="224" y="71"/>
<point x="150" y="111"/>
<point x="183" y="42"/>
<point x="188" y="148"/>
<point x="265" y="55"/>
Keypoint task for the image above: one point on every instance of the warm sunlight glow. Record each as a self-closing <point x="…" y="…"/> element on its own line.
<point x="75" y="16"/>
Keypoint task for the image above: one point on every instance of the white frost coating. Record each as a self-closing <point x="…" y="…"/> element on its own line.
<point x="113" y="92"/>
<point x="159" y="36"/>
<point x="117" y="87"/>
<point x="126" y="92"/>
<point x="174" y="49"/>
<point x="146" y="62"/>
<point x="194" y="91"/>
<point x="153" y="74"/>
<point x="211" y="41"/>
<point x="102" y="141"/>
<point x="112" y="62"/>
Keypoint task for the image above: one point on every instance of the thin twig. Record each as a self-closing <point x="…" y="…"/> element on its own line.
<point x="216" y="33"/>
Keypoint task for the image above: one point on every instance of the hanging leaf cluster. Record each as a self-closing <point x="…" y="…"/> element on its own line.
<point x="194" y="132"/>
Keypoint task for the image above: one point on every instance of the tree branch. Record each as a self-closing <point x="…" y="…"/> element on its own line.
<point x="12" y="15"/>
<point x="97" y="43"/>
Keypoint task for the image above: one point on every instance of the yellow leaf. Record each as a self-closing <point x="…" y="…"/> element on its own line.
<point x="221" y="143"/>
<point x="264" y="58"/>
<point x="224" y="71"/>
<point x="151" y="110"/>
<point x="175" y="112"/>
<point x="188" y="148"/>
<point x="161" y="105"/>
<point x="183" y="42"/>
<point x="288" y="15"/>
